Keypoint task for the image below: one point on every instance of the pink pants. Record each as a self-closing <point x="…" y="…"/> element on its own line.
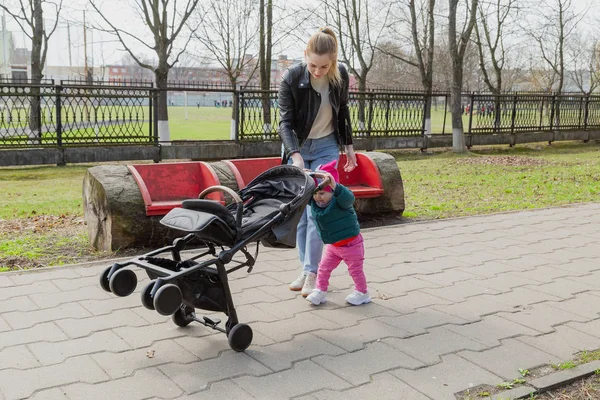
<point x="353" y="254"/>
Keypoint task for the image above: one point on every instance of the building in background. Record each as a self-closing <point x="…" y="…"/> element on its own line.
<point x="7" y="54"/>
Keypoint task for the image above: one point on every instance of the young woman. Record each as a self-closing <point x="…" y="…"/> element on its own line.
<point x="314" y="126"/>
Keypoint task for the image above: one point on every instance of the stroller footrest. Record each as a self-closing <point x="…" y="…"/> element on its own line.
<point x="211" y="321"/>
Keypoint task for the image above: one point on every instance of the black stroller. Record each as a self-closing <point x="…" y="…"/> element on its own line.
<point x="267" y="211"/>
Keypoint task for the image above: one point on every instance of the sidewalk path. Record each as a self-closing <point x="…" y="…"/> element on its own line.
<point x="456" y="303"/>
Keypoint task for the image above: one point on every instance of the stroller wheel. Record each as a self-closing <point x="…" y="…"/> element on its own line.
<point x="104" y="283"/>
<point x="167" y="299"/>
<point x="123" y="282"/>
<point x="147" y="300"/>
<point x="240" y="337"/>
<point x="180" y="318"/>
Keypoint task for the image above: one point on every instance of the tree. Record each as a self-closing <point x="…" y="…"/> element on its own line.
<point x="30" y="18"/>
<point x="490" y="36"/>
<point x="422" y="40"/>
<point x="359" y="32"/>
<point x="458" y="42"/>
<point x="165" y="20"/>
<point x="584" y="52"/>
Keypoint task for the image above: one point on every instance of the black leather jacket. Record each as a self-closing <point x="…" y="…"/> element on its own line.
<point x="299" y="104"/>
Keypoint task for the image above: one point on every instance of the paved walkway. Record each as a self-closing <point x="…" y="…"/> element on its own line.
<point x="457" y="303"/>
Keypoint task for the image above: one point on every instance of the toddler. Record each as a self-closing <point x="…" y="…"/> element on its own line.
<point x="338" y="227"/>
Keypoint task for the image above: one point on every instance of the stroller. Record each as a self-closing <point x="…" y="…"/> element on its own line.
<point x="267" y="211"/>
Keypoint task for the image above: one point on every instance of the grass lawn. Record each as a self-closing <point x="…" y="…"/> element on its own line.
<point x="41" y="216"/>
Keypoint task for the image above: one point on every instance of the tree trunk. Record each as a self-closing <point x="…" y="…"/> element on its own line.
<point x="458" y="136"/>
<point x="265" y="61"/>
<point x="35" y="121"/>
<point x="161" y="76"/>
<point x="362" y="104"/>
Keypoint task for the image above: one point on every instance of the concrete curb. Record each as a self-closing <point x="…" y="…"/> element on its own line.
<point x="549" y="382"/>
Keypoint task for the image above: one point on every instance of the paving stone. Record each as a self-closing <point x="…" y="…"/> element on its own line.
<point x="281" y="356"/>
<point x="140" y="386"/>
<point x="78" y="369"/>
<point x="521" y="296"/>
<point x="144" y="336"/>
<point x="584" y="304"/>
<point x="50" y="394"/>
<point x="563" y="343"/>
<point x="119" y="365"/>
<point x="225" y="389"/>
<point x="288" y="308"/>
<point x="17" y="357"/>
<point x="47" y="332"/>
<point x="374" y="358"/>
<point x="196" y="376"/>
<point x="285" y="384"/>
<point x="422" y="319"/>
<point x="19" y="303"/>
<point x="403" y="285"/>
<point x="5" y="281"/>
<point x="581" y="266"/>
<point x="101" y="307"/>
<point x="252" y="281"/>
<point x="380" y="275"/>
<point x="77" y="328"/>
<point x="442" y="380"/>
<point x="351" y="316"/>
<point x="209" y="346"/>
<point x="460" y="291"/>
<point x="546" y="274"/>
<point x="563" y="256"/>
<point x="541" y="317"/>
<point x="4" y="325"/>
<point x="411" y="301"/>
<point x="508" y="358"/>
<point x="355" y="337"/>
<point x="592" y="279"/>
<point x="52" y="353"/>
<point x="284" y="330"/>
<point x="27" y="319"/>
<point x="473" y="308"/>
<point x="67" y="285"/>
<point x="562" y="288"/>
<point x="43" y="275"/>
<point x="448" y="277"/>
<point x="505" y="282"/>
<point x="254" y="296"/>
<point x="383" y="386"/>
<point x="491" y="330"/>
<point x="25" y="290"/>
<point x="525" y="262"/>
<point x="430" y="346"/>
<point x="591" y="327"/>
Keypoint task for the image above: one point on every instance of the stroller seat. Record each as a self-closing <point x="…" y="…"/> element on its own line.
<point x="210" y="220"/>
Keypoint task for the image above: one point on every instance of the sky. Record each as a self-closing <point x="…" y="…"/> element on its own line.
<point x="104" y="48"/>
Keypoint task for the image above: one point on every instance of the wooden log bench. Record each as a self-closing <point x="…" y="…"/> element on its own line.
<point x="124" y="204"/>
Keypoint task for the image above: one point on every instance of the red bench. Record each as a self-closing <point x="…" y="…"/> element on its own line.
<point x="246" y="169"/>
<point x="364" y="181"/>
<point x="164" y="186"/>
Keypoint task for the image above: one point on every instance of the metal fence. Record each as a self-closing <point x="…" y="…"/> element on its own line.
<point x="75" y="113"/>
<point x="371" y="114"/>
<point x="71" y="115"/>
<point x="532" y="113"/>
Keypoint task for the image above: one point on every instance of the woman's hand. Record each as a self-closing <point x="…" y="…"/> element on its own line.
<point x="297" y="160"/>
<point x="350" y="158"/>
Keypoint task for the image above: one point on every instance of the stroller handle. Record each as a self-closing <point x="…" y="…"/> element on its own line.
<point x="320" y="175"/>
<point x="236" y="197"/>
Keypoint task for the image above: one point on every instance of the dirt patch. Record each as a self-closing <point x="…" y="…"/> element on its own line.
<point x="585" y="389"/>
<point x="40" y="224"/>
<point x="510" y="161"/>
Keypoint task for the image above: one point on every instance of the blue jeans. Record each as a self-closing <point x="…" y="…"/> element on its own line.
<point x="310" y="246"/>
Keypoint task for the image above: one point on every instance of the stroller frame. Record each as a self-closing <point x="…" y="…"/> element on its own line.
<point x="164" y="295"/>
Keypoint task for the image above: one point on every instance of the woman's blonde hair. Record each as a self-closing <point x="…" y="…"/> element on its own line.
<point x="322" y="42"/>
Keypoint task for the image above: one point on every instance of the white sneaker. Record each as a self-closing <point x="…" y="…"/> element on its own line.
<point x="317" y="297"/>
<point x="298" y="282"/>
<point x="357" y="298"/>
<point x="309" y="284"/>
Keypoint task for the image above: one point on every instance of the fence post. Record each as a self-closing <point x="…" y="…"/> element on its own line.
<point x="471" y="104"/>
<point x="514" y="114"/>
<point x="151" y="132"/>
<point x="552" y="107"/>
<point x="370" y="123"/>
<point x="586" y="114"/>
<point x="445" y="113"/>
<point x="236" y="112"/>
<point x="240" y="122"/>
<point x="58" y="104"/>
<point x="387" y="112"/>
